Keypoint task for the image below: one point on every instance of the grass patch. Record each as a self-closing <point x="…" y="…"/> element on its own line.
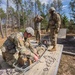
<point x="72" y="69"/>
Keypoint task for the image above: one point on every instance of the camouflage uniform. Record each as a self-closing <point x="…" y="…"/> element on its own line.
<point x="28" y="48"/>
<point x="37" y="21"/>
<point x="9" y="49"/>
<point x="27" y="51"/>
<point x="54" y="25"/>
<point x="15" y="49"/>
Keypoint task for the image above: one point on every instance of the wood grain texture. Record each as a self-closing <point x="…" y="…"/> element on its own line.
<point x="40" y="68"/>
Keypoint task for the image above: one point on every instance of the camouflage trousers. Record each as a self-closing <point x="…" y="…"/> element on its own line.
<point x="10" y="58"/>
<point x="38" y="31"/>
<point x="53" y="37"/>
<point x="38" y="35"/>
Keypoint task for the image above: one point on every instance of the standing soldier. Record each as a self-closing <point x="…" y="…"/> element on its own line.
<point x="54" y="25"/>
<point x="37" y="23"/>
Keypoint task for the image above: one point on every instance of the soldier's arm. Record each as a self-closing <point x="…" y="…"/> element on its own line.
<point x="48" y="25"/>
<point x="17" y="42"/>
<point x="58" y="21"/>
<point x="35" y="19"/>
<point x="31" y="47"/>
<point x="42" y="18"/>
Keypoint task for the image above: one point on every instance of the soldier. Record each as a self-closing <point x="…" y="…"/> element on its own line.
<point x="16" y="49"/>
<point x="37" y="22"/>
<point x="54" y="26"/>
<point x="9" y="49"/>
<point x="38" y="51"/>
<point x="29" y="32"/>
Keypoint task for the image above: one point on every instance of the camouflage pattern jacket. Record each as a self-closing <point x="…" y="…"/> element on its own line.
<point x="54" y="21"/>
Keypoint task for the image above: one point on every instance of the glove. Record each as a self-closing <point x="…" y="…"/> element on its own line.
<point x="57" y="30"/>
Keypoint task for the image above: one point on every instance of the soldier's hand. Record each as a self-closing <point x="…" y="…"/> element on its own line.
<point x="57" y="30"/>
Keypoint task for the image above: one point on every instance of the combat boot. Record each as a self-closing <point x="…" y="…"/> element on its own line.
<point x="53" y="49"/>
<point x="49" y="48"/>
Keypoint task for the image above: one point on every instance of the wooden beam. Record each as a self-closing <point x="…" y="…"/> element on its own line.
<point x="68" y="53"/>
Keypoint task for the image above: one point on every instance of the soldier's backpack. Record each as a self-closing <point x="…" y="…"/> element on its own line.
<point x="9" y="51"/>
<point x="10" y="46"/>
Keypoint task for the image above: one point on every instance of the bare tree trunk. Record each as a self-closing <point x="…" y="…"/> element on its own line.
<point x="19" y="20"/>
<point x="1" y="29"/>
<point x="12" y="27"/>
<point x="7" y="18"/>
<point x="24" y="23"/>
<point x="23" y="19"/>
<point x="35" y="8"/>
<point x="18" y="16"/>
<point x="23" y="16"/>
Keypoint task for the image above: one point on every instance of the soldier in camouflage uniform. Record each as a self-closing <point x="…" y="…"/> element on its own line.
<point x="16" y="49"/>
<point x="28" y="49"/>
<point x="37" y="23"/>
<point x="54" y="26"/>
<point x="9" y="49"/>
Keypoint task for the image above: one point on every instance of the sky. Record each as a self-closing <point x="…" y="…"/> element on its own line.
<point x="65" y="8"/>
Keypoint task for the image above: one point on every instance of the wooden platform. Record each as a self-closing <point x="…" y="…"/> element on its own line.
<point x="48" y="64"/>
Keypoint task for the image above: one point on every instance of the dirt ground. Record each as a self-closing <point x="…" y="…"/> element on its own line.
<point x="67" y="65"/>
<point x="2" y="41"/>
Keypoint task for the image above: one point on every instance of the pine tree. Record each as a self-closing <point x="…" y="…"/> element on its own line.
<point x="72" y="7"/>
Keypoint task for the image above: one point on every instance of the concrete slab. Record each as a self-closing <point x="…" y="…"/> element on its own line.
<point x="62" y="33"/>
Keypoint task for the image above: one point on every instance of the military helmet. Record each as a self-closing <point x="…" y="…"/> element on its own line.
<point x="52" y="9"/>
<point x="30" y="30"/>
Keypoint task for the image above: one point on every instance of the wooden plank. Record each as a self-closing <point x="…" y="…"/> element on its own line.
<point x="53" y="70"/>
<point x="68" y="53"/>
<point x="41" y="67"/>
<point x="62" y="33"/>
